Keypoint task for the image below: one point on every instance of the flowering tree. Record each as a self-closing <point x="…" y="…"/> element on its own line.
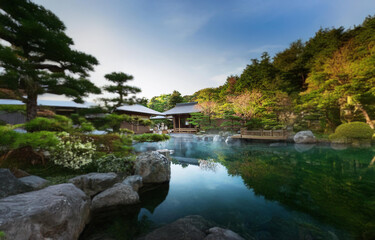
<point x="208" y="108"/>
<point x="247" y="104"/>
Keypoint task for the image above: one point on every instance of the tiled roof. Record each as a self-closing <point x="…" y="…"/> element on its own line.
<point x="49" y="103"/>
<point x="139" y="109"/>
<point x="183" y="108"/>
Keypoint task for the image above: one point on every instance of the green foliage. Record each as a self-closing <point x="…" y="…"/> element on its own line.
<point x="36" y="140"/>
<point x="39" y="57"/>
<point x="174" y="99"/>
<point x="2" y="235"/>
<point x="12" y="108"/>
<point x="200" y="120"/>
<point x="111" y="143"/>
<point x="86" y="127"/>
<point x="57" y="123"/>
<point x="113" y="163"/>
<point x="151" y="137"/>
<point x="71" y="152"/>
<point x="159" y="103"/>
<point x="112" y="122"/>
<point x="355" y="130"/>
<point x="121" y="89"/>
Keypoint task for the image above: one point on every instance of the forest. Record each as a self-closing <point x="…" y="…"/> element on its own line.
<point x="318" y="85"/>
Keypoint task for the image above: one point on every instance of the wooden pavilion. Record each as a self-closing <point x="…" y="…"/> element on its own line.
<point x="180" y="113"/>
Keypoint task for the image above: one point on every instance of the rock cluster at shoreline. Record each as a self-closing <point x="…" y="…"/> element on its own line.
<point x="62" y="211"/>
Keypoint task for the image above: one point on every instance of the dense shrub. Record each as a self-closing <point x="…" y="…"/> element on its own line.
<point x="112" y="143"/>
<point x="36" y="140"/>
<point x="71" y="152"/>
<point x="348" y="132"/>
<point x="56" y="124"/>
<point x="13" y="108"/>
<point x="113" y="163"/>
<point x="151" y="137"/>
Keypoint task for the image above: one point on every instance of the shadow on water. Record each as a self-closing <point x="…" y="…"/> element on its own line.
<point x="122" y="223"/>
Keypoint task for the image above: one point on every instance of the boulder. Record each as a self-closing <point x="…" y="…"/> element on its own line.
<point x="304" y="137"/>
<point x="191" y="228"/>
<point x="11" y="185"/>
<point x="217" y="233"/>
<point x="34" y="181"/>
<point x="187" y="228"/>
<point x="56" y="212"/>
<point x="119" y="194"/>
<point x="153" y="167"/>
<point x="94" y="183"/>
<point x="134" y="181"/>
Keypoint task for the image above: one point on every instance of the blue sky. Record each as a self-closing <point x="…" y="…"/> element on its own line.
<point x="189" y="45"/>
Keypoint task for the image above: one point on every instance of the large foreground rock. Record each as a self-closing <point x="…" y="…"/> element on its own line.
<point x="304" y="137"/>
<point x="119" y="194"/>
<point x="56" y="212"/>
<point x="191" y="228"/>
<point x="134" y="181"/>
<point x="34" y="181"/>
<point x="10" y="185"/>
<point x="94" y="183"/>
<point x="153" y="167"/>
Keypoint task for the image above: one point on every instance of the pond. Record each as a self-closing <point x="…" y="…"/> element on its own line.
<point x="259" y="190"/>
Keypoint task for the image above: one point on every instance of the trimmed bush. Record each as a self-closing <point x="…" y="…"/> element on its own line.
<point x="151" y="137"/>
<point x="36" y="140"/>
<point x="354" y="131"/>
<point x="56" y="124"/>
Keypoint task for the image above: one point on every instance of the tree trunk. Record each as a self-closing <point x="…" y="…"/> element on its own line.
<point x="365" y="114"/>
<point x="31" y="106"/>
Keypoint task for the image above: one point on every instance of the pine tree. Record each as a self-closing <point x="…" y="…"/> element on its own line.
<point x="36" y="56"/>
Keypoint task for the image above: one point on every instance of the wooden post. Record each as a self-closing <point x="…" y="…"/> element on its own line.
<point x="179" y="123"/>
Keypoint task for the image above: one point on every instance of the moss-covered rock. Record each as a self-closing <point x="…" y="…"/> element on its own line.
<point x="355" y="133"/>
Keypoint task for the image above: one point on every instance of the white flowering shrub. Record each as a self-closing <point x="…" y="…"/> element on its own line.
<point x="71" y="152"/>
<point x="112" y="163"/>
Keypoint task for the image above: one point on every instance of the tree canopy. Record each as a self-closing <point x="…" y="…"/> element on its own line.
<point x="125" y="93"/>
<point x="37" y="56"/>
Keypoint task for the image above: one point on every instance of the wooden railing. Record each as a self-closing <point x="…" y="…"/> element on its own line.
<point x="185" y="130"/>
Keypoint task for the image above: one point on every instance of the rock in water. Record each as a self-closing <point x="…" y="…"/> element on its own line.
<point x="304" y="137"/>
<point x="119" y="194"/>
<point x="10" y="185"/>
<point x="217" y="233"/>
<point x="94" y="183"/>
<point x="191" y="228"/>
<point x="34" y="181"/>
<point x="56" y="212"/>
<point x="153" y="167"/>
<point x="134" y="181"/>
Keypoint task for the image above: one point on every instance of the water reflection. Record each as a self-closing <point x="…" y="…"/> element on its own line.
<point x="311" y="190"/>
<point x="122" y="222"/>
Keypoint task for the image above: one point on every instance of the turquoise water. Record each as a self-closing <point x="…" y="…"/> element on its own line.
<point x="261" y="192"/>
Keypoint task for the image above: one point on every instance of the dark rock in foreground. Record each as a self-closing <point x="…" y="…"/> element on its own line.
<point x="10" y="185"/>
<point x="119" y="194"/>
<point x="94" y="183"/>
<point x="34" y="181"/>
<point x="191" y="228"/>
<point x="56" y="212"/>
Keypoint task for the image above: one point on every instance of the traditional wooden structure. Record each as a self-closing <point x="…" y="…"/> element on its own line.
<point x="263" y="134"/>
<point x="140" y="111"/>
<point x="180" y="114"/>
<point x="59" y="107"/>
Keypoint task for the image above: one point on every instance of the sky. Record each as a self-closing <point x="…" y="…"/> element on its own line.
<point x="193" y="44"/>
